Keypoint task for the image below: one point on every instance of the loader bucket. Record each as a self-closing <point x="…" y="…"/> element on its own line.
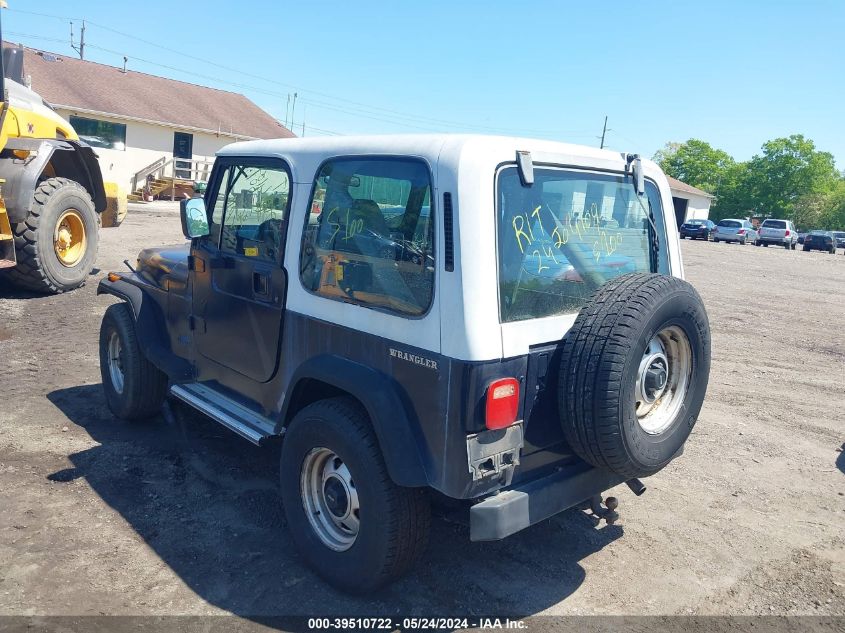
<point x="116" y="205"/>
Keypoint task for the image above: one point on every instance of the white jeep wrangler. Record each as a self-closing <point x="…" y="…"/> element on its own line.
<point x="502" y="320"/>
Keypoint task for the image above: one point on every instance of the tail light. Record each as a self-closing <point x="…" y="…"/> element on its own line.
<point x="502" y="403"/>
<point x="741" y="232"/>
<point x="787" y="233"/>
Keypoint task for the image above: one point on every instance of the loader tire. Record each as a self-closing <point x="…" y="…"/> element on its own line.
<point x="56" y="245"/>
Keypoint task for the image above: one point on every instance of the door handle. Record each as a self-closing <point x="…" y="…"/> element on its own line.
<point x="260" y="284"/>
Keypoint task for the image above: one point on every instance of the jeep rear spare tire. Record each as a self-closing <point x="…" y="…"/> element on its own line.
<point x="634" y="371"/>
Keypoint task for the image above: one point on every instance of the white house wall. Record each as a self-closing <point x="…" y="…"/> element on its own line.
<point x="145" y="144"/>
<point x="698" y="207"/>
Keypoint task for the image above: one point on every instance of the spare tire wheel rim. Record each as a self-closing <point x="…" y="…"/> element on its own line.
<point x="330" y="499"/>
<point x="69" y="239"/>
<point x="663" y="379"/>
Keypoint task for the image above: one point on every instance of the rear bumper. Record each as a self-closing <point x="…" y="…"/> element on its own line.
<point x="513" y="510"/>
<point x="775" y="240"/>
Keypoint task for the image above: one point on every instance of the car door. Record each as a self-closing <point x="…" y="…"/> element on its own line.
<point x="239" y="283"/>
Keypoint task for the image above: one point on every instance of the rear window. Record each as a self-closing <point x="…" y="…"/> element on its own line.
<point x="839" y="234"/>
<point x="694" y="222"/>
<point x="774" y="224"/>
<point x="730" y="223"/>
<point x="569" y="233"/>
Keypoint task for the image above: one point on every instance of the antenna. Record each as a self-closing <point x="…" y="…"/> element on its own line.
<point x="81" y="48"/>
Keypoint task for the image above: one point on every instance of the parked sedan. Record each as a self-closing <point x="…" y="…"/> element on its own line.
<point x="731" y="230"/>
<point x="697" y="229"/>
<point x="820" y="241"/>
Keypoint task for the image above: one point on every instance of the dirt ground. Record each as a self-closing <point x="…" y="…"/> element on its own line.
<point x="99" y="516"/>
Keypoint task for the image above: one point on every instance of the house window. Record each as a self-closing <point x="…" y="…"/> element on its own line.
<point x="97" y="133"/>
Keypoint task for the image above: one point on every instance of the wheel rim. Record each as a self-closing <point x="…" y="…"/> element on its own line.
<point x="115" y="360"/>
<point x="330" y="499"/>
<point x="663" y="379"/>
<point x="69" y="239"/>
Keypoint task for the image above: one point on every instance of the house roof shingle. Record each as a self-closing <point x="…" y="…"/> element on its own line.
<point x="85" y="85"/>
<point x="677" y="185"/>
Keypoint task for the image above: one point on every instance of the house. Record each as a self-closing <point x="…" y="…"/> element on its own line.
<point x="689" y="202"/>
<point x="151" y="133"/>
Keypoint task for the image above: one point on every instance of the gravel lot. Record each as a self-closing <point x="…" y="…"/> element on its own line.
<point x="101" y="516"/>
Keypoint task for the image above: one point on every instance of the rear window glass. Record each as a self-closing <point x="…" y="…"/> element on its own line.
<point x="369" y="236"/>
<point x="695" y="222"/>
<point x="839" y="234"/>
<point x="569" y="233"/>
<point x="774" y="224"/>
<point x="730" y="223"/>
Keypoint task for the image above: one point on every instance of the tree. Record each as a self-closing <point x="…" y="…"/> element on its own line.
<point x="696" y="163"/>
<point x="788" y="170"/>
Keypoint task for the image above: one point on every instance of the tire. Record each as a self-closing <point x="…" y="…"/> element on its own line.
<point x="805" y="249"/>
<point x="144" y="386"/>
<point x="715" y="241"/>
<point x="765" y="245"/>
<point x="602" y="358"/>
<point x="393" y="521"/>
<point x="758" y="243"/>
<point x="743" y="241"/>
<point x="39" y="267"/>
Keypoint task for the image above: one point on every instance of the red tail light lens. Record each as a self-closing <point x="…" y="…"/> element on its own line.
<point x="741" y="232"/>
<point x="502" y="403"/>
<point x="787" y="233"/>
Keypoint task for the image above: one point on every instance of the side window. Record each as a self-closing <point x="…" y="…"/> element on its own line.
<point x="250" y="211"/>
<point x="369" y="236"/>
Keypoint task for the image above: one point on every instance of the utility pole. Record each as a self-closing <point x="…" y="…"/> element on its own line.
<point x="81" y="49"/>
<point x="287" y="110"/>
<point x="603" y="132"/>
<point x="292" y="110"/>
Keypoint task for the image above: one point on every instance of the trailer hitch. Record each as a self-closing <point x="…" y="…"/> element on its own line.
<point x="606" y="510"/>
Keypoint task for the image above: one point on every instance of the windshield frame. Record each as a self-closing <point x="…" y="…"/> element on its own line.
<point x="664" y="255"/>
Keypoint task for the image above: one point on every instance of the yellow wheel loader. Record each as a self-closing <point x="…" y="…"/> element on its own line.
<point x="52" y="196"/>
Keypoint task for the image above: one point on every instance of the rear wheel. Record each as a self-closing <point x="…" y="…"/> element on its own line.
<point x="351" y="523"/>
<point x="634" y="371"/>
<point x="134" y="387"/>
<point x="56" y="245"/>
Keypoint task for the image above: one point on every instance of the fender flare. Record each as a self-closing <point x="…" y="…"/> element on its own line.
<point x="72" y="159"/>
<point x="398" y="435"/>
<point x="153" y="342"/>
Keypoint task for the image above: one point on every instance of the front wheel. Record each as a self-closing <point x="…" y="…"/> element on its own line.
<point x="351" y="523"/>
<point x="135" y="388"/>
<point x="56" y="244"/>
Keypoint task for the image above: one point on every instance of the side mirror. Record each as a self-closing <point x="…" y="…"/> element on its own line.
<point x="194" y="218"/>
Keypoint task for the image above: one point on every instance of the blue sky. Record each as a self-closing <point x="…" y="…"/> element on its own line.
<point x="735" y="74"/>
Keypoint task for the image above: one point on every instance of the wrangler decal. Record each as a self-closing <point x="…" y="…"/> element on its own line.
<point x="413" y="358"/>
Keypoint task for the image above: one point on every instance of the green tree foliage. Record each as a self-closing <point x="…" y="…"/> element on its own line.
<point x="790" y="179"/>
<point x="696" y="163"/>
<point x="787" y="170"/>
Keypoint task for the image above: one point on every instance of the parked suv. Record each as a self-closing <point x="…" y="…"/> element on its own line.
<point x="731" y="230"/>
<point x="839" y="236"/>
<point x="503" y="321"/>
<point x="780" y="232"/>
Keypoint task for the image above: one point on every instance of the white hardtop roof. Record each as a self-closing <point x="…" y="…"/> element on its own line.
<point x="431" y="147"/>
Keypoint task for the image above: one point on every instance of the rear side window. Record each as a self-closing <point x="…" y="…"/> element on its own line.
<point x="369" y="235"/>
<point x="774" y="224"/>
